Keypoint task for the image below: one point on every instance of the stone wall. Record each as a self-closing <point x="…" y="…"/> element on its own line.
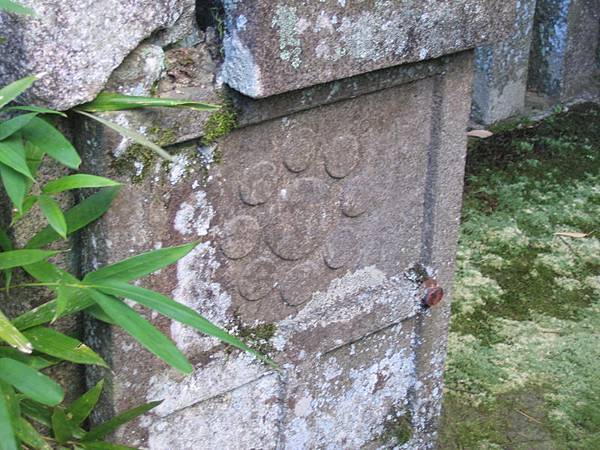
<point x="323" y="218"/>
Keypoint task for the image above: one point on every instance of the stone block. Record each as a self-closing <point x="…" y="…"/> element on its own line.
<point x="309" y="217"/>
<point x="77" y="44"/>
<point x="501" y="70"/>
<point x="273" y="48"/>
<point x="564" y="57"/>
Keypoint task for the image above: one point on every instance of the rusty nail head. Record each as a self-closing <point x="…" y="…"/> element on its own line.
<point x="433" y="296"/>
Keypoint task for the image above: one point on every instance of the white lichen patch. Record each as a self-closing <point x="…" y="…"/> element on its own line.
<point x="289" y="27"/>
<point x="245" y="418"/>
<point x="196" y="289"/>
<point x="346" y="299"/>
<point x="346" y="400"/>
<point x="221" y="375"/>
<point x="194" y="218"/>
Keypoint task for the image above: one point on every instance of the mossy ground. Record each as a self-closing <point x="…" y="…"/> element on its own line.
<point x="524" y="352"/>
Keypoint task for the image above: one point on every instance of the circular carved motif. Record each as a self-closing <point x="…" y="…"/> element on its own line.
<point x="240" y="236"/>
<point x="258" y="183"/>
<point x="341" y="246"/>
<point x="299" y="219"/>
<point x="298" y="285"/>
<point x="357" y="197"/>
<point x="298" y="149"/>
<point x="342" y="156"/>
<point x="257" y="279"/>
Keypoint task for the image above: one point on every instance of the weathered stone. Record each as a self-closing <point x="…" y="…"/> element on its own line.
<point x="273" y="48"/>
<point x="292" y="243"/>
<point x="501" y="70"/>
<point x="77" y="44"/>
<point x="564" y="58"/>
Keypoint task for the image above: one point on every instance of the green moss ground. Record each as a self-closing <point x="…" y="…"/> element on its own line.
<point x="524" y="352"/>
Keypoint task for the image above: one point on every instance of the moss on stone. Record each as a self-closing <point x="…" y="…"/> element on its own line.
<point x="258" y="337"/>
<point x="135" y="163"/>
<point x="398" y="431"/>
<point x="219" y="124"/>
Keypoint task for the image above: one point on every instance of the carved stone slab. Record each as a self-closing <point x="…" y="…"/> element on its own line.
<point x="278" y="46"/>
<point x="308" y="225"/>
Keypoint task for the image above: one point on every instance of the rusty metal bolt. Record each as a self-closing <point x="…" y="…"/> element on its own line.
<point x="433" y="293"/>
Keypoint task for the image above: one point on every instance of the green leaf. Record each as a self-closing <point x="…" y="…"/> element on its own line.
<point x="40" y="413"/>
<point x="62" y="301"/>
<point x="16" y="258"/>
<point x="173" y="310"/>
<point x="109" y="426"/>
<point x="36" y="109"/>
<point x="11" y="126"/>
<point x="53" y="214"/>
<point x="81" y="408"/>
<point x="46" y="312"/>
<point x="16" y="88"/>
<point x="133" y="135"/>
<point x="8" y="439"/>
<point x="34" y="155"/>
<point x="30" y="436"/>
<point x="51" y="342"/>
<point x="37" y="362"/>
<point x="78" y="216"/>
<point x="141" y="265"/>
<point x="5" y="240"/>
<point x="97" y="445"/>
<point x="63" y="430"/>
<point x="12" y="154"/>
<point x="43" y="135"/>
<point x="111" y="101"/>
<point x="30" y="382"/>
<point x="12" y="336"/>
<point x="142" y="331"/>
<point x="15" y="184"/>
<point x="78" y="181"/>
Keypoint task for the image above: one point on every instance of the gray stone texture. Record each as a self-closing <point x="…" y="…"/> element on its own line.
<point x="500" y="81"/>
<point x="278" y="47"/>
<point x="564" y="57"/>
<point x="77" y="43"/>
<point x="309" y="221"/>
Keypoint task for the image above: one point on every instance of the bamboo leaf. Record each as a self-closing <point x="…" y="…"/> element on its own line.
<point x="62" y="301"/>
<point x="80" y="215"/>
<point x="63" y="431"/>
<point x="43" y="135"/>
<point x="81" y="408"/>
<point x="16" y="88"/>
<point x="7" y="433"/>
<point x="111" y="101"/>
<point x="173" y="310"/>
<point x="109" y="426"/>
<point x="30" y="436"/>
<point x="133" y="135"/>
<point x="36" y="109"/>
<point x="141" y="265"/>
<point x="11" y="126"/>
<point x="16" y="258"/>
<point x="12" y="154"/>
<point x="97" y="445"/>
<point x="53" y="214"/>
<point x="40" y="413"/>
<point x="51" y="342"/>
<point x="12" y="336"/>
<point x="15" y="184"/>
<point x="30" y="382"/>
<point x="37" y="362"/>
<point x="78" y="181"/>
<point x="141" y="330"/>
